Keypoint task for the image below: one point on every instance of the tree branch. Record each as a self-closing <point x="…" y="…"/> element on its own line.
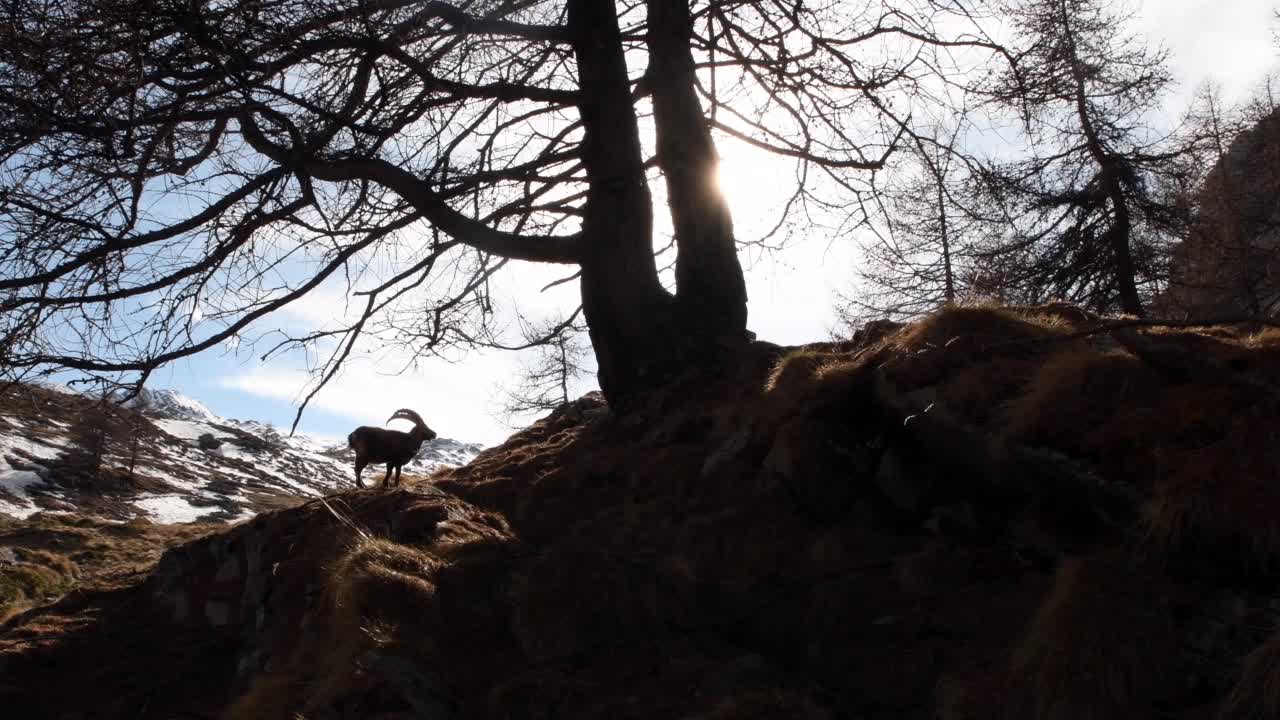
<point x="565" y="249"/>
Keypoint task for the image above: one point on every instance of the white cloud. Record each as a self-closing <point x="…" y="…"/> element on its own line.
<point x="1229" y="42"/>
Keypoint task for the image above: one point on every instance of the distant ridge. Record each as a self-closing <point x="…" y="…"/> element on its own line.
<point x="188" y="463"/>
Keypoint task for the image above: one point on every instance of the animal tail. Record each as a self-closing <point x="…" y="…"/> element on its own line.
<point x="351" y="440"/>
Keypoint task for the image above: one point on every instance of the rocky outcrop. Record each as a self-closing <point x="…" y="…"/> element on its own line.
<point x="1230" y="263"/>
<point x="207" y="441"/>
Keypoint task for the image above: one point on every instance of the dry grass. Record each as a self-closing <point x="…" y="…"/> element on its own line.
<point x="1264" y="353"/>
<point x="977" y="326"/>
<point x="767" y="705"/>
<point x="798" y="369"/>
<point x="373" y="589"/>
<point x="1268" y="338"/>
<point x="972" y="358"/>
<point x="970" y="694"/>
<point x="979" y="392"/>
<point x="1201" y="447"/>
<point x="56" y="553"/>
<point x="1073" y="395"/>
<point x="34" y="578"/>
<point x="382" y="599"/>
<point x="1222" y="497"/>
<point x="1101" y="646"/>
<point x="1060" y="314"/>
<point x="602" y="565"/>
<point x="1257" y="694"/>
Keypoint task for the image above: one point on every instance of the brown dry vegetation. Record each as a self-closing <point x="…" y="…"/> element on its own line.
<point x="1101" y="645"/>
<point x="46" y="555"/>
<point x="1257" y="696"/>
<point x="992" y="513"/>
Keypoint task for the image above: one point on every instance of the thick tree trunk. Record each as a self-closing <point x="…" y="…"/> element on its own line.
<point x="710" y="289"/>
<point x="641" y="334"/>
<point x="629" y="315"/>
<point x="1119" y="236"/>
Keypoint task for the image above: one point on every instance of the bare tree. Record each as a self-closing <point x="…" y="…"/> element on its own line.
<point x="1265" y="99"/>
<point x="924" y="256"/>
<point x="174" y="172"/>
<point x="138" y="433"/>
<point x="546" y="383"/>
<point x="1090" y="224"/>
<point x="100" y="427"/>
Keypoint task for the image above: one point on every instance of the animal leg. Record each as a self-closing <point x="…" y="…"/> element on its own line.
<point x="387" y="478"/>
<point x="359" y="469"/>
<point x="398" y="469"/>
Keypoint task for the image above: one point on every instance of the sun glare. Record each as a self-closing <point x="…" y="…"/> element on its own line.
<point x="745" y="179"/>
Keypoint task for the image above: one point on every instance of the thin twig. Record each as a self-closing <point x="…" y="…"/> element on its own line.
<point x="345" y="520"/>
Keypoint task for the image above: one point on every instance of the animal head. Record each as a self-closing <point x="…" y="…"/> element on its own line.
<point x="420" y="428"/>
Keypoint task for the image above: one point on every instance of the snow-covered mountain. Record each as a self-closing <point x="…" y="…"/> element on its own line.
<point x="173" y="405"/>
<point x="169" y="458"/>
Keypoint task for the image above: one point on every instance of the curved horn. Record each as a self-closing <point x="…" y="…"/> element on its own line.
<point x="409" y="415"/>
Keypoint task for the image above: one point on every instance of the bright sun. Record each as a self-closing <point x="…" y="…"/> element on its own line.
<point x="749" y="184"/>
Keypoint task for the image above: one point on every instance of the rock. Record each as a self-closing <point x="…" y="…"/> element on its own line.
<point x="819" y="475"/>
<point x="1229" y="263"/>
<point x="228" y="570"/>
<point x="908" y="491"/>
<point x="420" y="688"/>
<point x="208" y="442"/>
<point x="742" y="673"/>
<point x="573" y="601"/>
<point x="731" y="447"/>
<point x="178" y="599"/>
<point x="217" y="613"/>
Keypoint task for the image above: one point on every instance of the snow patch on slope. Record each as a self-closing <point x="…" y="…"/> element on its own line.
<point x="189" y="430"/>
<point x="171" y="509"/>
<point x="47" y="448"/>
<point x="14" y="483"/>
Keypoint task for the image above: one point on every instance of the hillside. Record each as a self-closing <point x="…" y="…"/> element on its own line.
<point x="188" y="464"/>
<point x="992" y="513"/>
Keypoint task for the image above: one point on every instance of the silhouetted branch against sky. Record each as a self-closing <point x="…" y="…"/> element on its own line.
<point x="1089" y="203"/>
<point x="172" y="177"/>
<point x="318" y="181"/>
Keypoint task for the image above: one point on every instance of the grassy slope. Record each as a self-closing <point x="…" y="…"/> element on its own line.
<point x="849" y="530"/>
<point x="44" y="556"/>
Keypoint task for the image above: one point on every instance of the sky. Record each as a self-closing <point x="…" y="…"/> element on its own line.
<point x="792" y="293"/>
